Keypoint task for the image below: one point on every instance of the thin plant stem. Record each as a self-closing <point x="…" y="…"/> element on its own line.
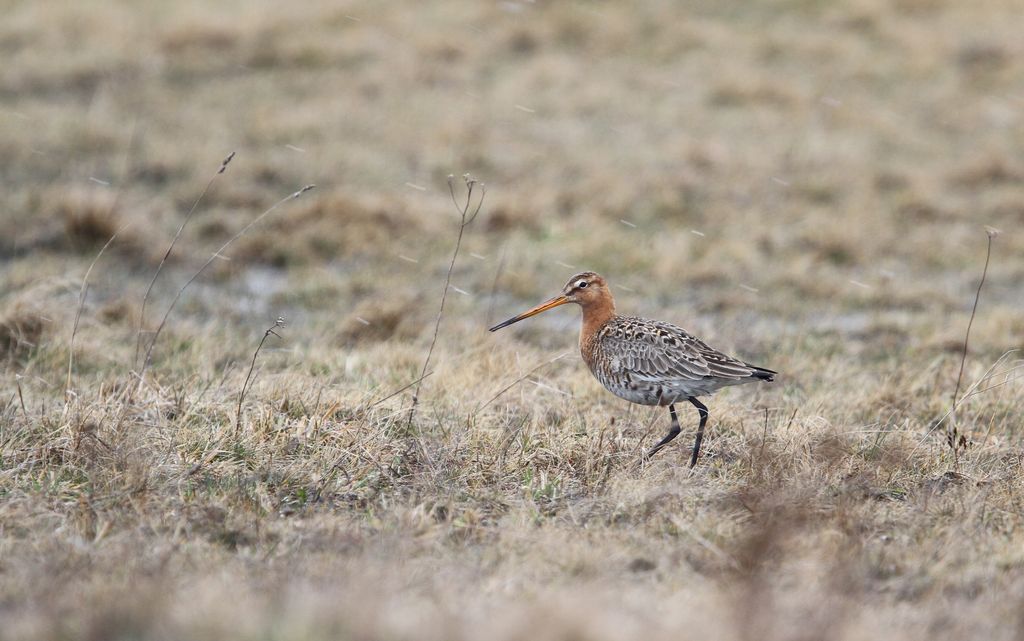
<point x="972" y="390"/>
<point x="271" y="331"/>
<point x="85" y="281"/>
<point x="167" y="254"/>
<point x="83" y="292"/>
<point x="974" y="310"/>
<point x="21" y="397"/>
<point x="398" y="391"/>
<point x="952" y="431"/>
<point x="217" y="254"/>
<point x="494" y="285"/>
<point x="466" y="219"/>
<point x="516" y="382"/>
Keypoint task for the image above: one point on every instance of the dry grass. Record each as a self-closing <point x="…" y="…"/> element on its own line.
<point x="20" y="331"/>
<point x="803" y="184"/>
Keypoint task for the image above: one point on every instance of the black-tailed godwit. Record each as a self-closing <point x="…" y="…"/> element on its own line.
<point x="645" y="361"/>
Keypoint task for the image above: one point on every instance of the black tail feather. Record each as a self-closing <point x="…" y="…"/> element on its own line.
<point x="763" y="373"/>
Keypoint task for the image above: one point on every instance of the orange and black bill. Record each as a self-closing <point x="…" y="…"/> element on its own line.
<point x="543" y="307"/>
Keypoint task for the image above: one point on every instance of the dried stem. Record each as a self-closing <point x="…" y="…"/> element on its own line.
<point x="271" y="331"/>
<point x="466" y="219"/>
<point x="81" y="306"/>
<point x="167" y="254"/>
<point x="217" y="254"/>
<point x="85" y="281"/>
<point x="494" y="285"/>
<point x="517" y="381"/>
<point x="974" y="310"/>
<point x="953" y="437"/>
<point x="21" y="397"/>
<point x="972" y="390"/>
<point x="398" y="391"/>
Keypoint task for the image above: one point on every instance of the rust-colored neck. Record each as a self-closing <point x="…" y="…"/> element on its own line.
<point x="595" y="315"/>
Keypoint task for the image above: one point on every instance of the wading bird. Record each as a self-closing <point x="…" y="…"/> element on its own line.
<point x="645" y="361"/>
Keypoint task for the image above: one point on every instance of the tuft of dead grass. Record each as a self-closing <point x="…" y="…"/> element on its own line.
<point x="21" y="330"/>
<point x="329" y="227"/>
<point x="381" y="319"/>
<point x="89" y="217"/>
<point x="987" y="171"/>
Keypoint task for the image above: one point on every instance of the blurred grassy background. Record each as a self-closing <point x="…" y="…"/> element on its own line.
<point x="805" y="184"/>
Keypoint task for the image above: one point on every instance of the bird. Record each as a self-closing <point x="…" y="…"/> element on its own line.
<point x="644" y="361"/>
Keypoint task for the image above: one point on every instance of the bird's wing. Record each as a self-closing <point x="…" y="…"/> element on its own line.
<point x="657" y="351"/>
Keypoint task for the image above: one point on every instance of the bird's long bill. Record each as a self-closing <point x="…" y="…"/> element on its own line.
<point x="543" y="307"/>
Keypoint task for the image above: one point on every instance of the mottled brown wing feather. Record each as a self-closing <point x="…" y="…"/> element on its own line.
<point x="657" y="351"/>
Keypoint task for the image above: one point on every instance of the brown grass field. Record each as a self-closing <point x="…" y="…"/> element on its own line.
<point x="805" y="184"/>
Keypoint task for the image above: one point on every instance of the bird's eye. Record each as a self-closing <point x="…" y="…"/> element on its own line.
<point x="582" y="284"/>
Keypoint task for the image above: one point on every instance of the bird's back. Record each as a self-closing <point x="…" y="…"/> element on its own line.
<point x="657" y="363"/>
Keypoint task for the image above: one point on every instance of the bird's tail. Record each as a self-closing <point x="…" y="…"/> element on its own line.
<point x="763" y="373"/>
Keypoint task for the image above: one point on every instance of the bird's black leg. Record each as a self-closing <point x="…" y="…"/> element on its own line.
<point x="672" y="433"/>
<point x="703" y="410"/>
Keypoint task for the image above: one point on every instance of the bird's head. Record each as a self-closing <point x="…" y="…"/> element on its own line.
<point x="586" y="289"/>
